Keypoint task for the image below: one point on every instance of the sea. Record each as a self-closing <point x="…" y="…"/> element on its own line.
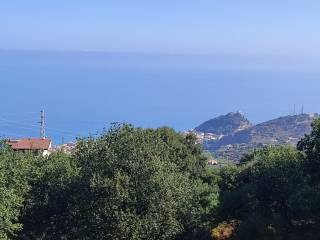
<point x="83" y="92"/>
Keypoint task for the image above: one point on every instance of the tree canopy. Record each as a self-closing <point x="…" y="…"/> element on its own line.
<point x="134" y="183"/>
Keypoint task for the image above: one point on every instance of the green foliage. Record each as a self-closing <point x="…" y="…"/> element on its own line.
<point x="274" y="192"/>
<point x="138" y="183"/>
<point x="133" y="183"/>
<point x="229" y="178"/>
<point x="13" y="188"/>
<point x="47" y="213"/>
<point x="310" y="146"/>
<point x="258" y="192"/>
<point x="307" y="198"/>
<point x="129" y="183"/>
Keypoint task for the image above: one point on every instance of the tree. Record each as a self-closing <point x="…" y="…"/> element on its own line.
<point x="259" y="194"/>
<point x="306" y="201"/>
<point x="137" y="184"/>
<point x="47" y="212"/>
<point x="310" y="146"/>
<point x="129" y="183"/>
<point x="13" y="189"/>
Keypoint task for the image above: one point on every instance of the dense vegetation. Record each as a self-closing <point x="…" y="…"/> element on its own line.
<point x="133" y="183"/>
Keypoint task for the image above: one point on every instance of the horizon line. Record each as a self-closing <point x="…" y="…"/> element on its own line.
<point x="165" y="53"/>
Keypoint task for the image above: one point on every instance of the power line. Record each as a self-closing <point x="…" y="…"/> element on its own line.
<point x="33" y="127"/>
<point x="23" y="127"/>
<point x="27" y="125"/>
<point x="18" y="114"/>
<point x="16" y="122"/>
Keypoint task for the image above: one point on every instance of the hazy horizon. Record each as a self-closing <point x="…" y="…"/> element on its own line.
<point x="215" y="27"/>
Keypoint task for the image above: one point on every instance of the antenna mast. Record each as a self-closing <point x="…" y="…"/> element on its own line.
<point x="42" y="125"/>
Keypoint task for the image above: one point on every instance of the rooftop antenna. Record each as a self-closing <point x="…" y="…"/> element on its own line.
<point x="42" y="125"/>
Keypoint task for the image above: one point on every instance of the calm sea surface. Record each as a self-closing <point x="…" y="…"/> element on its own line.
<point x="84" y="92"/>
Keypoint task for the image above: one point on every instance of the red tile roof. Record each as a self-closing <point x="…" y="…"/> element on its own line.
<point x="30" y="144"/>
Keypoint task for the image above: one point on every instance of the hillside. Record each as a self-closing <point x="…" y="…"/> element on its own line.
<point x="283" y="130"/>
<point x="225" y="125"/>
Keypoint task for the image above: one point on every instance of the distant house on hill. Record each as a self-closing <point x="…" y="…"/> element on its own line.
<point x="67" y="148"/>
<point x="38" y="145"/>
<point x="212" y="162"/>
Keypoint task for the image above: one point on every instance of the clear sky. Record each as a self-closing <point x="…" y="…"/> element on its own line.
<point x="289" y="27"/>
<point x="154" y="63"/>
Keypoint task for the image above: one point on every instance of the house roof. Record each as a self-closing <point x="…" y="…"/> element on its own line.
<point x="30" y="144"/>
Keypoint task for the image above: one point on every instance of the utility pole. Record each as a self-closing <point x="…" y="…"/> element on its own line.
<point x="42" y="125"/>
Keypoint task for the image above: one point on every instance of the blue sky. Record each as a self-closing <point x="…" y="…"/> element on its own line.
<point x="154" y="63"/>
<point x="270" y="27"/>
